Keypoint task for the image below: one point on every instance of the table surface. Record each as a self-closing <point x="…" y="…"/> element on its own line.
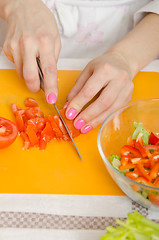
<point x="68" y="216"/>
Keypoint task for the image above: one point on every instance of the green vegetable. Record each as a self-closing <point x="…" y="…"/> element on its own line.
<point x="139" y="129"/>
<point x="114" y="156"/>
<point x="136" y="227"/>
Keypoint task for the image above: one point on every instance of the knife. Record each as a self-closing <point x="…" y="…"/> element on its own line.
<point x="41" y="76"/>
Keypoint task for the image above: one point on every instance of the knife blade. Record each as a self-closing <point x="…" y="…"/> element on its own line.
<point x="42" y="87"/>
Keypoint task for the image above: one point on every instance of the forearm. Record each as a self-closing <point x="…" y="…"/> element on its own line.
<point x="141" y="45"/>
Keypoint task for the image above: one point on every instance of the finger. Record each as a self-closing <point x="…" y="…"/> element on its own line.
<point x="103" y="102"/>
<point x="30" y="70"/>
<point x="49" y="68"/>
<point x="84" y="76"/>
<point x="18" y="63"/>
<point x="8" y="53"/>
<point x="92" y="86"/>
<point x="120" y="101"/>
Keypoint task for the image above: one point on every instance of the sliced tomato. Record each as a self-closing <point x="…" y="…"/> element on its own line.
<point x="46" y="135"/>
<point x="58" y="121"/>
<point x="127" y="166"/>
<point x="127" y="150"/>
<point x="153" y="139"/>
<point x="30" y="102"/>
<point x="55" y="127"/>
<point x="140" y="146"/>
<point x="26" y="142"/>
<point x="8" y="132"/>
<point x="133" y="174"/>
<point x="74" y="132"/>
<point x="19" y="122"/>
<point x="37" y="123"/>
<point x="131" y="142"/>
<point x="31" y="133"/>
<point x="154" y="199"/>
<point x="154" y="171"/>
<point x="143" y="181"/>
<point x="143" y="172"/>
<point x="33" y="112"/>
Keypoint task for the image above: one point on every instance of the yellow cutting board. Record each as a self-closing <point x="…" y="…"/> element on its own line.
<point x="58" y="169"/>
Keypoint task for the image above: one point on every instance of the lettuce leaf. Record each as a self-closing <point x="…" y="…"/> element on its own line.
<point x="136" y="227"/>
<point x="139" y="129"/>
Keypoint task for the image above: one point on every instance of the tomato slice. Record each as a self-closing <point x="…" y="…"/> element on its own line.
<point x="130" y="151"/>
<point x="153" y="139"/>
<point x="33" y="138"/>
<point x="55" y="127"/>
<point x="154" y="199"/>
<point x="46" y="135"/>
<point x="33" y="112"/>
<point x="74" y="132"/>
<point x="8" y="132"/>
<point x="30" y="102"/>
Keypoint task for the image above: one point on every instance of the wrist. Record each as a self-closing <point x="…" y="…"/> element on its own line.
<point x="123" y="61"/>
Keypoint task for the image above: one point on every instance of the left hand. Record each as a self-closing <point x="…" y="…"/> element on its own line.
<point x="109" y="74"/>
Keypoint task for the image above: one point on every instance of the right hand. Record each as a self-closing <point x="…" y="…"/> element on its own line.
<point x="32" y="32"/>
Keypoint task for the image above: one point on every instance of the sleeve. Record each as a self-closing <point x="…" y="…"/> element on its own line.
<point x="151" y="7"/>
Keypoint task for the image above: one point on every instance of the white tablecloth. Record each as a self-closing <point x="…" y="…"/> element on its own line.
<point x="63" y="217"/>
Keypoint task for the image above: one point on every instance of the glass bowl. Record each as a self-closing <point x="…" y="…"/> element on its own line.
<point x="113" y="135"/>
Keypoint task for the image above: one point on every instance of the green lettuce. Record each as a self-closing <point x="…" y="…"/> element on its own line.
<point x="139" y="129"/>
<point x="136" y="227"/>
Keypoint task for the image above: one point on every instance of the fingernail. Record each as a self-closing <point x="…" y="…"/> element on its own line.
<point x="86" y="129"/>
<point x="52" y="98"/>
<point x="71" y="113"/>
<point x="79" y="124"/>
<point x="65" y="105"/>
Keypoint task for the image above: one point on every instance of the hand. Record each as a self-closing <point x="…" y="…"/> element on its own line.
<point x="32" y="32"/>
<point x="108" y="74"/>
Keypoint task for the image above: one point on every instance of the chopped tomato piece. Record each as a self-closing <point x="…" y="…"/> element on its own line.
<point x="154" y="199"/>
<point x="26" y="142"/>
<point x="30" y="102"/>
<point x="153" y="139"/>
<point x="127" y="166"/>
<point x="32" y="135"/>
<point x="8" y="132"/>
<point x="133" y="174"/>
<point x="74" y="132"/>
<point x="19" y="122"/>
<point x="156" y="182"/>
<point x="131" y="142"/>
<point x="55" y="127"/>
<point x="33" y="112"/>
<point x="124" y="161"/>
<point x="62" y="128"/>
<point x="130" y="151"/>
<point x="154" y="171"/>
<point x="140" y="146"/>
<point x="37" y="123"/>
<point x="46" y="135"/>
<point x="143" y="172"/>
<point x="143" y="181"/>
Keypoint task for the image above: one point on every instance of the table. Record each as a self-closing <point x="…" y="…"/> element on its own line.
<point x="60" y="217"/>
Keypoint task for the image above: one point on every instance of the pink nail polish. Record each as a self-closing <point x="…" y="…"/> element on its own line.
<point x="71" y="113"/>
<point x="52" y="98"/>
<point x="65" y="105"/>
<point x="79" y="124"/>
<point x="86" y="129"/>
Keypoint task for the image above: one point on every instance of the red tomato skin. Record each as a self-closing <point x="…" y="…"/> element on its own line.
<point x="74" y="132"/>
<point x="154" y="199"/>
<point x="9" y="138"/>
<point x="153" y="139"/>
<point x="30" y="102"/>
